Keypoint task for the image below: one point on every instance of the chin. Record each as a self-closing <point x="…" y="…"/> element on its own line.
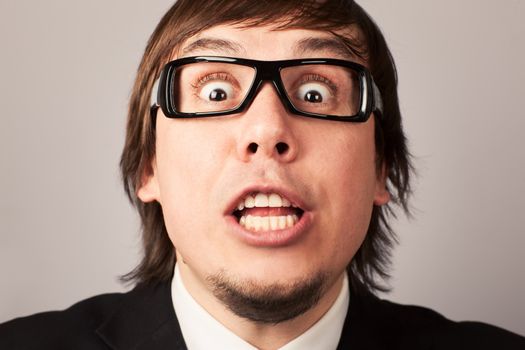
<point x="268" y="298"/>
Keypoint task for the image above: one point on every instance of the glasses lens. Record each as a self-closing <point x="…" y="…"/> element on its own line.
<point x="323" y="89"/>
<point x="204" y="87"/>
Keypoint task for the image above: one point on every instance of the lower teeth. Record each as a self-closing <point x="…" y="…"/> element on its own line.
<point x="266" y="223"/>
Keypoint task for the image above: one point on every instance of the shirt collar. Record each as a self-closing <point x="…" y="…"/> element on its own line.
<point x="202" y="331"/>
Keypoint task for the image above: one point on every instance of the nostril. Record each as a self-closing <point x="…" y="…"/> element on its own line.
<point x="281" y="147"/>
<point x="252" y="147"/>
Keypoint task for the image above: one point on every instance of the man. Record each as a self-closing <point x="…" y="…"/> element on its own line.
<point x="263" y="163"/>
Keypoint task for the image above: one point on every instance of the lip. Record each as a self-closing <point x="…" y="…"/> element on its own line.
<point x="271" y="238"/>
<point x="275" y="238"/>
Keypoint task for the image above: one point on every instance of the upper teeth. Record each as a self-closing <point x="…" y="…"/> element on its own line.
<point x="263" y="200"/>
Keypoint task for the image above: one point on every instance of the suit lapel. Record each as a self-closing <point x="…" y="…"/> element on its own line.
<point x="360" y="324"/>
<point x="145" y="320"/>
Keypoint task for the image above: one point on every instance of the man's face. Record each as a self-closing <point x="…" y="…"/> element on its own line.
<point x="205" y="167"/>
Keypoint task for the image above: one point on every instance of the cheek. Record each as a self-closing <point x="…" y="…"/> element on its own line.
<point x="347" y="165"/>
<point x="348" y="180"/>
<point x="188" y="161"/>
<point x="356" y="177"/>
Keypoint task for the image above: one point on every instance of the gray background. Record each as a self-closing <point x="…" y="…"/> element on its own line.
<point x="67" y="231"/>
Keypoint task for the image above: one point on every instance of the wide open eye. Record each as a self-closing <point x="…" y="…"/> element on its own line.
<point x="216" y="91"/>
<point x="322" y="89"/>
<point x="207" y="87"/>
<point x="313" y="93"/>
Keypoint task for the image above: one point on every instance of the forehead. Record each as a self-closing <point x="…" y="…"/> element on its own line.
<point x="269" y="43"/>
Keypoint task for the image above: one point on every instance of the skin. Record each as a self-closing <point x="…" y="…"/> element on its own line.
<point x="202" y="164"/>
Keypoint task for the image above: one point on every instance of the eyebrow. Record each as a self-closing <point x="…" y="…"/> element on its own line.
<point x="213" y="44"/>
<point x="303" y="46"/>
<point x="332" y="45"/>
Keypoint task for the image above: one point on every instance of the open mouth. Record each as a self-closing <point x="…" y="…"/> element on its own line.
<point x="259" y="212"/>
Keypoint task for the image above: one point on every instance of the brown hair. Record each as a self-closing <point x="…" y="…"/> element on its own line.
<point x="187" y="18"/>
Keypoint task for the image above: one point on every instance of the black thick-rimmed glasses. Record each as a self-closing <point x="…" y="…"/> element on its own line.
<point x="323" y="88"/>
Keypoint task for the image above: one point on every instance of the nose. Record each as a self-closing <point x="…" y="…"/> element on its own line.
<point x="266" y="129"/>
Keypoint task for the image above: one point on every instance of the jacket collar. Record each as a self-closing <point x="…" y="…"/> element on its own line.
<point x="363" y="324"/>
<point x="358" y="330"/>
<point x="144" y="320"/>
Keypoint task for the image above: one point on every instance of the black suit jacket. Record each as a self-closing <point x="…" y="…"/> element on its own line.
<point x="144" y="319"/>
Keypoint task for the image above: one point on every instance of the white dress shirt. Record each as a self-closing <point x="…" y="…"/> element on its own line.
<point x="201" y="331"/>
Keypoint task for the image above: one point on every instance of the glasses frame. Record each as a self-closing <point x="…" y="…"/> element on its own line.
<point x="267" y="71"/>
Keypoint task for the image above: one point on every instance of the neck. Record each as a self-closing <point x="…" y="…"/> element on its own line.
<point x="262" y="336"/>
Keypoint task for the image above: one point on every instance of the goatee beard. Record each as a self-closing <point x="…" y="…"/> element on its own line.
<point x="268" y="303"/>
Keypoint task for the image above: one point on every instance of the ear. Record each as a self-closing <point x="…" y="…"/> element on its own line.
<point x="381" y="196"/>
<point x="148" y="190"/>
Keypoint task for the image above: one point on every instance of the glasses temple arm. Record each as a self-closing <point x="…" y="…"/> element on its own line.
<point x="155" y="92"/>
<point x="378" y="101"/>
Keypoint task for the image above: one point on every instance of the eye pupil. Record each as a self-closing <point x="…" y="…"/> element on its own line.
<point x="313" y="96"/>
<point x="218" y="95"/>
